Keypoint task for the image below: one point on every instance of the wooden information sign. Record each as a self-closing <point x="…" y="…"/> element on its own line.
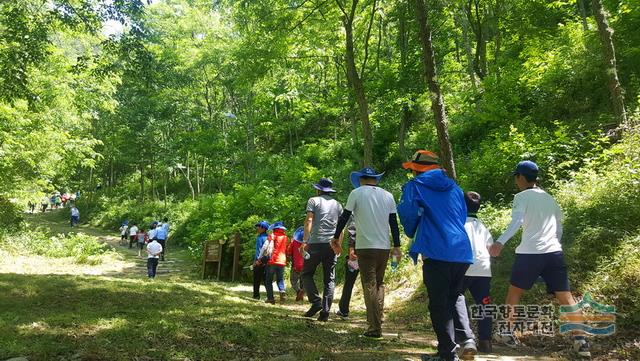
<point x="211" y="255"/>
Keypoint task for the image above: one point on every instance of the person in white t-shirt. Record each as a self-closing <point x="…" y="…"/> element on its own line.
<point x="123" y="232"/>
<point x="540" y="252"/>
<point x="153" y="250"/>
<point x="133" y="230"/>
<point x="477" y="279"/>
<point x="374" y="212"/>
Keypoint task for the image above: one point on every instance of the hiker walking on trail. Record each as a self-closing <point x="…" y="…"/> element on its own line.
<point x="273" y="254"/>
<point x="44" y="203"/>
<point x="153" y="250"/>
<point x="351" y="271"/>
<point x="162" y="233"/>
<point x="123" y="232"/>
<point x="540" y="251"/>
<point x="75" y="216"/>
<point x="319" y="226"/>
<point x="259" y="269"/>
<point x="477" y="279"/>
<point x="133" y="231"/>
<point x="374" y="212"/>
<point x="433" y="210"/>
<point x="297" y="262"/>
<point x="142" y="240"/>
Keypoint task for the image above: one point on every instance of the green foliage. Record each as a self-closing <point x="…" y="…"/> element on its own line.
<point x="602" y="207"/>
<point x="11" y="219"/>
<point x="82" y="248"/>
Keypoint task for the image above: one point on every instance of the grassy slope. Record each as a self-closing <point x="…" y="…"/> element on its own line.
<point x="119" y="315"/>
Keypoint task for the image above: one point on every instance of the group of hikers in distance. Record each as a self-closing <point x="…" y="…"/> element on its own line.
<point x="454" y="246"/>
<point x="154" y="241"/>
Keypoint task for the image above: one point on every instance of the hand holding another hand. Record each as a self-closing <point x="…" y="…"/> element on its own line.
<point x="495" y="249"/>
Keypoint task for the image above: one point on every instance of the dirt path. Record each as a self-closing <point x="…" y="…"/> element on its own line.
<point x="123" y="263"/>
<point x="398" y="340"/>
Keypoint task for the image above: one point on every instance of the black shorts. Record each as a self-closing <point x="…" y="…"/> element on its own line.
<point x="550" y="266"/>
<point x="141" y="245"/>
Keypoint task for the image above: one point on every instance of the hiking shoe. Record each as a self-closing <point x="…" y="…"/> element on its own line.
<point x="508" y="340"/>
<point x="273" y="302"/>
<point x="300" y="295"/>
<point x="485" y="346"/>
<point x="437" y="358"/>
<point x="469" y="350"/>
<point x="312" y="311"/>
<point x="374" y="335"/>
<point x="344" y="316"/>
<point x="324" y="316"/>
<point x="581" y="347"/>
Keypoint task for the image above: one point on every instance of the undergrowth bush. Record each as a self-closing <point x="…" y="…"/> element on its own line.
<point x="83" y="248"/>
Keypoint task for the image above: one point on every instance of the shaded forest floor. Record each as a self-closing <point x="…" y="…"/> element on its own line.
<point x="53" y="309"/>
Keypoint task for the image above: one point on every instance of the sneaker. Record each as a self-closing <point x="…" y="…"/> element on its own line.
<point x="324" y="316"/>
<point x="469" y="350"/>
<point x="581" y="347"/>
<point x="256" y="297"/>
<point x="312" y="311"/>
<point x="437" y="358"/>
<point x="374" y="335"/>
<point x="300" y="295"/>
<point x="344" y="316"/>
<point x="273" y="302"/>
<point x="485" y="346"/>
<point x="508" y="340"/>
<point x="283" y="297"/>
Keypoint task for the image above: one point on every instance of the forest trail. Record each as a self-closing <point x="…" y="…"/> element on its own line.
<point x="178" y="273"/>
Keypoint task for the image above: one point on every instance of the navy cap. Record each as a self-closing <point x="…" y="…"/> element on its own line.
<point x="527" y="168"/>
<point x="263" y="224"/>
<point x="325" y="185"/>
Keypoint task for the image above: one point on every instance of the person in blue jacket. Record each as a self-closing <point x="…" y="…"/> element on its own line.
<point x="259" y="269"/>
<point x="432" y="209"/>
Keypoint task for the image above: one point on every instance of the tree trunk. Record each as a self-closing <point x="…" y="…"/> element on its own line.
<point x="463" y="23"/>
<point x="188" y="176"/>
<point x="402" y="132"/>
<point x="583" y="14"/>
<point x="437" y="100"/>
<point x="357" y="86"/>
<point x="613" y="83"/>
<point x="141" y="182"/>
<point x="197" y="177"/>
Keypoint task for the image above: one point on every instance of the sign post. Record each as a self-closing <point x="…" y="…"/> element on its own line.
<point x="211" y="255"/>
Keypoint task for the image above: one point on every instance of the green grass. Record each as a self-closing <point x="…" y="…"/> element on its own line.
<point x="97" y="318"/>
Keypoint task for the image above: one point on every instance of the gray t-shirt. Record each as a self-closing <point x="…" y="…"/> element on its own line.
<point x="326" y="212"/>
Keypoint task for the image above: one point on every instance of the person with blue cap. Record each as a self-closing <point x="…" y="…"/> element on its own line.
<point x="540" y="250"/>
<point x="374" y="212"/>
<point x="433" y="212"/>
<point x="297" y="262"/>
<point x="320" y="223"/>
<point x="259" y="273"/>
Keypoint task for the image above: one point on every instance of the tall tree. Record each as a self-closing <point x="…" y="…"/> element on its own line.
<point x="437" y="100"/>
<point x="355" y="77"/>
<point x="613" y="83"/>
